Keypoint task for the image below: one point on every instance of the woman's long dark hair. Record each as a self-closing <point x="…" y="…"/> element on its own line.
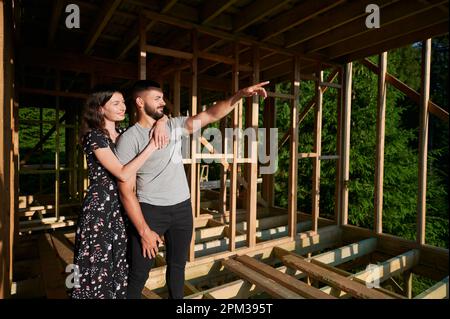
<point x="92" y="117"/>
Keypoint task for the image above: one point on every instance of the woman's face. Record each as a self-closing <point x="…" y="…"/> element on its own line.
<point x="114" y="109"/>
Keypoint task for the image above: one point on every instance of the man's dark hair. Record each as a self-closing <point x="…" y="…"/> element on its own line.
<point x="140" y="86"/>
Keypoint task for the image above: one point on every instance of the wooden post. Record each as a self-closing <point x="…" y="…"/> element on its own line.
<point x="8" y="150"/>
<point x="423" y="140"/>
<point x="408" y="278"/>
<point x="193" y="171"/>
<point x="379" y="161"/>
<point x="57" y="149"/>
<point x="223" y="171"/>
<point x="268" y="180"/>
<point x="233" y="178"/>
<point x="252" y="188"/>
<point x="318" y="150"/>
<point x="293" y="146"/>
<point x="345" y="145"/>
<point x="142" y="60"/>
<point x="176" y="93"/>
<point x="337" y="198"/>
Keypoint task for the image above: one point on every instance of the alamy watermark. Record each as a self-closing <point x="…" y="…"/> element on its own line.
<point x="373" y="19"/>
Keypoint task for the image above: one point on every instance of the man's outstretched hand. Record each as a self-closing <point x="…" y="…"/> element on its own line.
<point x="256" y="89"/>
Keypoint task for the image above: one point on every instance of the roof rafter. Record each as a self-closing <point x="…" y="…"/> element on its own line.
<point x="106" y="13"/>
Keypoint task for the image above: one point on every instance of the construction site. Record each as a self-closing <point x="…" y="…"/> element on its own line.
<point x="244" y="244"/>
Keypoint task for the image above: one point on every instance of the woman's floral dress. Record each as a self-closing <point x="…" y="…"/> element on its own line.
<point x="101" y="269"/>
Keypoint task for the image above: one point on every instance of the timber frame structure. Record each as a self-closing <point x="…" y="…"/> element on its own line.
<point x="201" y="50"/>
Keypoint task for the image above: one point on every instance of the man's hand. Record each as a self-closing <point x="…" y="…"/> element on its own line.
<point x="256" y="89"/>
<point x="150" y="242"/>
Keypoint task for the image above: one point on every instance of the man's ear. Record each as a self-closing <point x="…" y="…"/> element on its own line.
<point x="139" y="102"/>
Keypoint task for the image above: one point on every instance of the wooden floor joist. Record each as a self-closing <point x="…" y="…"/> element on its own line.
<point x="437" y="291"/>
<point x="283" y="279"/>
<point x="355" y="289"/>
<point x="390" y="268"/>
<point x="242" y="289"/>
<point x="268" y="285"/>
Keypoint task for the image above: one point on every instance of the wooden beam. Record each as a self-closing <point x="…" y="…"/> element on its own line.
<point x="255" y="11"/>
<point x="357" y="290"/>
<point x="337" y="197"/>
<point x="293" y="149"/>
<point x="205" y="266"/>
<point x="307" y="108"/>
<point x="269" y="121"/>
<point x="379" y="159"/>
<point x="193" y="165"/>
<point x="297" y="15"/>
<point x="239" y="288"/>
<point x="42" y="141"/>
<point x="59" y="93"/>
<point x="395" y="12"/>
<point x="430" y="31"/>
<point x="243" y="39"/>
<point x="290" y="282"/>
<point x="409" y="92"/>
<point x="328" y="21"/>
<point x="345" y="145"/>
<point x="383" y="271"/>
<point x="423" y="141"/>
<point x="134" y="32"/>
<point x="234" y="167"/>
<point x="212" y="9"/>
<point x="53" y="26"/>
<point x="253" y="166"/>
<point x="437" y="291"/>
<point x="318" y="150"/>
<point x="268" y="285"/>
<point x="106" y="13"/>
<point x="402" y="27"/>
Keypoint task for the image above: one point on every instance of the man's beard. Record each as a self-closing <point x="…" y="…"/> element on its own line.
<point x="153" y="113"/>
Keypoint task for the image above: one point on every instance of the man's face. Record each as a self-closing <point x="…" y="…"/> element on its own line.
<point x="153" y="103"/>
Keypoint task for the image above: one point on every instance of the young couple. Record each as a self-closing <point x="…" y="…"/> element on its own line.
<point x="139" y="170"/>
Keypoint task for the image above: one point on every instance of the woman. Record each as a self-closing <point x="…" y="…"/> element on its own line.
<point x="100" y="262"/>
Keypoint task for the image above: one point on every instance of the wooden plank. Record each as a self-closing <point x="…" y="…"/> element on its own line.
<point x="269" y="121"/>
<point x="51" y="269"/>
<point x="385" y="270"/>
<point x="295" y="16"/>
<point x="169" y="52"/>
<point x="423" y="141"/>
<point x="53" y="26"/>
<point x="134" y="36"/>
<point x="404" y="25"/>
<point x="212" y="9"/>
<point x="379" y="158"/>
<point x="106" y="13"/>
<point x="308" y="107"/>
<point x="193" y="165"/>
<point x="437" y="291"/>
<point x="283" y="279"/>
<point x="293" y="149"/>
<point x="337" y="197"/>
<point x="176" y="93"/>
<point x="317" y="149"/>
<point x="205" y="266"/>
<point x="355" y="289"/>
<point x="253" y="166"/>
<point x="142" y="58"/>
<point x="345" y="145"/>
<point x="268" y="285"/>
<point x="409" y="92"/>
<point x="351" y="277"/>
<point x="255" y="11"/>
<point x="329" y="21"/>
<point x="234" y="167"/>
<point x="149" y="294"/>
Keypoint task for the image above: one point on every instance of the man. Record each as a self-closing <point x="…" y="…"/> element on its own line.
<point x="161" y="205"/>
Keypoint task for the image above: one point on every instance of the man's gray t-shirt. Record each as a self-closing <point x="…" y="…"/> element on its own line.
<point x="161" y="180"/>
